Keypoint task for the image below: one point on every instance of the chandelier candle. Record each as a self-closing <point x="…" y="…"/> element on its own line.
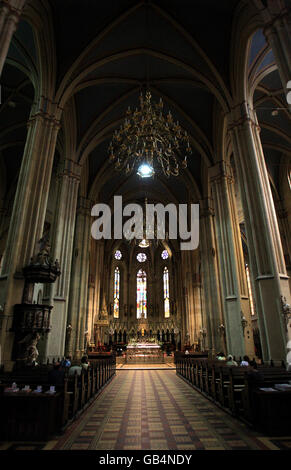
<point x="149" y="142"/>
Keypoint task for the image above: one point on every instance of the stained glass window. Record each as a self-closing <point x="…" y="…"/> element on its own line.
<point x="141" y="294"/>
<point x="116" y="293"/>
<point x="141" y="257"/>
<point x="165" y="254"/>
<point x="166" y="292"/>
<point x="118" y="254"/>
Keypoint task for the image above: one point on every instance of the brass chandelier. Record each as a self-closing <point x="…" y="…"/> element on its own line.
<point x="149" y="142"/>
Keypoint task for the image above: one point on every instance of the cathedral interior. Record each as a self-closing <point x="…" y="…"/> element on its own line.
<point x="74" y="76"/>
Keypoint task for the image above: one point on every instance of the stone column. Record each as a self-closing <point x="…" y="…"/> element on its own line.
<point x="91" y="291"/>
<point x="285" y="232"/>
<point x="213" y="316"/>
<point x="196" y="286"/>
<point x="10" y="12"/>
<point x="277" y="31"/>
<point x="231" y="260"/>
<point x="62" y="247"/>
<point x="192" y="296"/>
<point x="98" y="277"/>
<point x="29" y="209"/>
<point x="77" y="313"/>
<point x="264" y="243"/>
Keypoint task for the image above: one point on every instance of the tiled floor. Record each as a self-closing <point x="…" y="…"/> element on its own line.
<point x="155" y="410"/>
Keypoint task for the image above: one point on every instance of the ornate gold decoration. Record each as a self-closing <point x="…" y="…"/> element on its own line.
<point x="149" y="141"/>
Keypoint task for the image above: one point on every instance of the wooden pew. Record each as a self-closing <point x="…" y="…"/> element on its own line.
<point x="75" y="392"/>
<point x="270" y="377"/>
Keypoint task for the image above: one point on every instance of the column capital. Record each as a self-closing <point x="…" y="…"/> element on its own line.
<point x="241" y="114"/>
<point x="69" y="168"/>
<point x="206" y="207"/>
<point x="220" y="171"/>
<point x="274" y="17"/>
<point x="13" y="8"/>
<point x="46" y="110"/>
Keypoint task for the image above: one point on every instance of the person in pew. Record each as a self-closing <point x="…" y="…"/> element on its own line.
<point x="221" y="356"/>
<point x="245" y="362"/>
<point x="66" y="361"/>
<point x="230" y="361"/>
<point x="75" y="368"/>
<point x="255" y="376"/>
<point x="56" y="375"/>
<point x="84" y="362"/>
<point x="253" y="364"/>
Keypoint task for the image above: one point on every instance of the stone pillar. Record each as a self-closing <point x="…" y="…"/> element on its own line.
<point x="285" y="232"/>
<point x="91" y="296"/>
<point x="277" y="32"/>
<point x="213" y="316"/>
<point x="62" y="246"/>
<point x="193" y="323"/>
<point x="77" y="313"/>
<point x="95" y="277"/>
<point x="10" y="12"/>
<point x="264" y="243"/>
<point x="98" y="281"/>
<point x="29" y="209"/>
<point x="196" y="286"/>
<point x="231" y="260"/>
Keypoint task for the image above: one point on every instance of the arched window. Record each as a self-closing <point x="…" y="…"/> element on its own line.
<point x="116" y="293"/>
<point x="166" y="292"/>
<point x="141" y="294"/>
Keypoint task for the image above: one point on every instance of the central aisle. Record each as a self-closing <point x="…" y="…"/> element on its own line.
<point x="151" y="410"/>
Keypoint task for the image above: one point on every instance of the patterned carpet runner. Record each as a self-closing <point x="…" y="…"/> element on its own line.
<point x="156" y="410"/>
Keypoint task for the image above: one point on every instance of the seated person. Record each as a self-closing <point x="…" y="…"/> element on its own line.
<point x="56" y="375"/>
<point x="230" y="361"/>
<point x="220" y="356"/>
<point x="75" y="368"/>
<point x="66" y="362"/>
<point x="245" y="362"/>
<point x="84" y="362"/>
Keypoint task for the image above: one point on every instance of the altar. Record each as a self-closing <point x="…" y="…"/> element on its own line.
<point x="140" y="353"/>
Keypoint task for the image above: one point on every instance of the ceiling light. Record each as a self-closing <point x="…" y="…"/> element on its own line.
<point x="149" y="141"/>
<point x="145" y="170"/>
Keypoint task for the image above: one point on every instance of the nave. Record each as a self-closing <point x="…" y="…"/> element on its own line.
<point x="154" y="410"/>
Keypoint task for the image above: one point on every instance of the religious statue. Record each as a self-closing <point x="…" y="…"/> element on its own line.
<point x="30" y="353"/>
<point x="86" y="340"/>
<point x="286" y="310"/>
<point x="44" y="246"/>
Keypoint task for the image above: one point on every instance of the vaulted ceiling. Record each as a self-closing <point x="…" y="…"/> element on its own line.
<point x="106" y="52"/>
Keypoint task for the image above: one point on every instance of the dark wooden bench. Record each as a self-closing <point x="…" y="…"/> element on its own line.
<point x="73" y="394"/>
<point x="235" y="388"/>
